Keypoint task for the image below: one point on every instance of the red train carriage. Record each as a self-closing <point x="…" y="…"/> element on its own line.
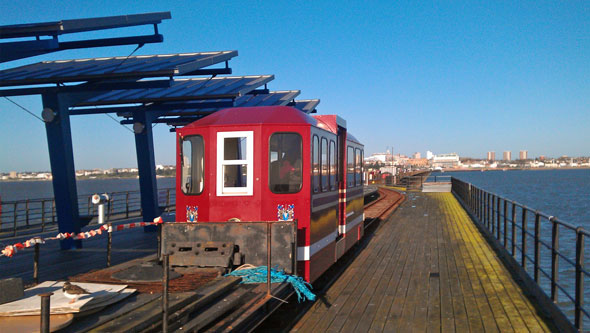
<point x="275" y="163"/>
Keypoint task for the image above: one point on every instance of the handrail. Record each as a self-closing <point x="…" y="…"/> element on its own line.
<point x="24" y="216"/>
<point x="501" y="217"/>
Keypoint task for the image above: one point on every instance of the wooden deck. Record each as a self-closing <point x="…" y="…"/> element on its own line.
<point x="427" y="268"/>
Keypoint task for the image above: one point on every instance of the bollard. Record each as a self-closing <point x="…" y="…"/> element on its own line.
<point x="36" y="264"/>
<point x="165" y="280"/>
<point x="45" y="311"/>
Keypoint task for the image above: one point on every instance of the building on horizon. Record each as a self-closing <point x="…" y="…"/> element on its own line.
<point x="445" y="160"/>
<point x="522" y="155"/>
<point x="491" y="156"/>
<point x="429" y="155"/>
<point x="417" y="156"/>
<point x="507" y="156"/>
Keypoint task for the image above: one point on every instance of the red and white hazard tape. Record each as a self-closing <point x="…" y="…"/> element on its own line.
<point x="10" y="250"/>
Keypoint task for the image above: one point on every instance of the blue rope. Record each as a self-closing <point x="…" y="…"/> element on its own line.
<point x="258" y="275"/>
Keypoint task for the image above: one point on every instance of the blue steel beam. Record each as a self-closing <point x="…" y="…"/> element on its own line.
<point x="61" y="157"/>
<point x="23" y="49"/>
<point x="81" y="25"/>
<point x="146" y="165"/>
<point x="85" y="87"/>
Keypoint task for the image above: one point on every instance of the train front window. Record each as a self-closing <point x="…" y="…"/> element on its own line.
<point x="285" y="174"/>
<point x="192" y="157"/>
<point x="234" y="163"/>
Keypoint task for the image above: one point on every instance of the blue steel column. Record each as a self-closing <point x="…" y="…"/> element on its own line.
<point x="61" y="157"/>
<point x="146" y="164"/>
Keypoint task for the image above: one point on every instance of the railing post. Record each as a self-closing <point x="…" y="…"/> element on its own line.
<point x="479" y="204"/>
<point x="168" y="199"/>
<point x="513" y="229"/>
<point x="15" y="217"/>
<point x="493" y="219"/>
<point x="524" y="234"/>
<point x="89" y="205"/>
<point x="165" y="278"/>
<point x="505" y="224"/>
<point x="43" y="215"/>
<point x="27" y="212"/>
<point x="486" y="212"/>
<point x="109" y="243"/>
<point x="127" y="204"/>
<point x="537" y="247"/>
<point x="579" y="297"/>
<point x="554" y="259"/>
<point x="53" y="211"/>
<point x="498" y="200"/>
<point x="36" y="264"/>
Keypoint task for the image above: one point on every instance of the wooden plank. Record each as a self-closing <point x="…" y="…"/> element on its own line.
<point x="513" y="298"/>
<point x="326" y="301"/>
<point x="364" y="323"/>
<point x="471" y="306"/>
<point x="346" y="321"/>
<point x="404" y="262"/>
<point x="324" y="312"/>
<point x="434" y="306"/>
<point x="336" y="315"/>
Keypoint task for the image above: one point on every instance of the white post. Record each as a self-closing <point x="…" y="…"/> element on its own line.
<point x="100" y="200"/>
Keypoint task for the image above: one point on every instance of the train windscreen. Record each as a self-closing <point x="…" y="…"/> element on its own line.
<point x="285" y="152"/>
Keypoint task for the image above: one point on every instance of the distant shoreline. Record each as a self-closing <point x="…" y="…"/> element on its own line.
<point x="512" y="169"/>
<point x="77" y="178"/>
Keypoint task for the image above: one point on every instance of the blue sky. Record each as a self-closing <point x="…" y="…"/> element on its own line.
<point x="465" y="77"/>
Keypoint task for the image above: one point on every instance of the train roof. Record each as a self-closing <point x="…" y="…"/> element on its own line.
<point x="271" y="115"/>
<point x="255" y="115"/>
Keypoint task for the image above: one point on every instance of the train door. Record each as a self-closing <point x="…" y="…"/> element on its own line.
<point x="340" y="241"/>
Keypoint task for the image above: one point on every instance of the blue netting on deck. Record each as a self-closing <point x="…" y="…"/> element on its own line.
<point x="258" y="275"/>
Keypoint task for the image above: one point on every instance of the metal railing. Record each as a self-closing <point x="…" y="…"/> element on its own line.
<point x="550" y="251"/>
<point x="416" y="182"/>
<point x="33" y="215"/>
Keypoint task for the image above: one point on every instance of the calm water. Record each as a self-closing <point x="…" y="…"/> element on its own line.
<point x="10" y="191"/>
<point x="564" y="194"/>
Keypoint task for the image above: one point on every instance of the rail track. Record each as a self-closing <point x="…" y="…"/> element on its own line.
<point x="381" y="208"/>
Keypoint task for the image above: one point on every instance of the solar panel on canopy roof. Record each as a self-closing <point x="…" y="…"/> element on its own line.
<point x="78" y="70"/>
<point x="306" y="105"/>
<point x="184" y="90"/>
<point x="80" y="25"/>
<point x="272" y="98"/>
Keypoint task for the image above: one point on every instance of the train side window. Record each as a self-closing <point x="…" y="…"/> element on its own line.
<point x="285" y="174"/>
<point x="350" y="167"/>
<point x="358" y="167"/>
<point x="192" y="158"/>
<point x="315" y="163"/>
<point x="362" y="166"/>
<point x="333" y="165"/>
<point x="324" y="165"/>
<point x="235" y="167"/>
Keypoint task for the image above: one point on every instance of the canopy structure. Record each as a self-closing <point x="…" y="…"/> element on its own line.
<point x="37" y="45"/>
<point x="175" y="89"/>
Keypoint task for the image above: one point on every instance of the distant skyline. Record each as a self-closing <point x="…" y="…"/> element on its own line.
<point x="446" y="77"/>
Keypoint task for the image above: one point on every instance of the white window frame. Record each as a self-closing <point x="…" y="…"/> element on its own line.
<point x="249" y="162"/>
